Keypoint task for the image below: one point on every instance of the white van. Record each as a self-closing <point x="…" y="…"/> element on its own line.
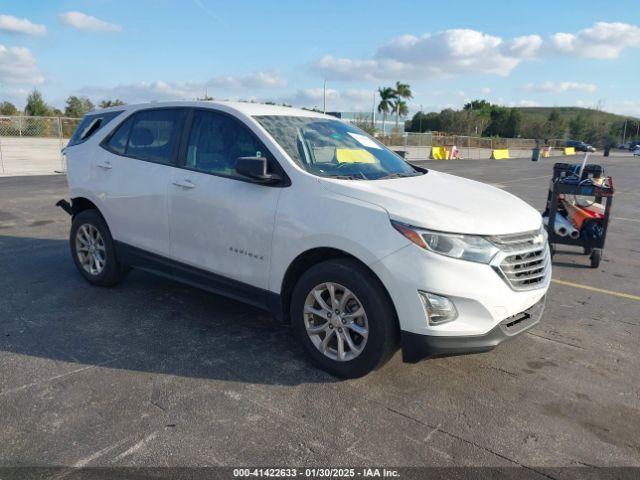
<point x="308" y="217"/>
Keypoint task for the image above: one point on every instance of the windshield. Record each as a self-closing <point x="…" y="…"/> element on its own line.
<point x="331" y="148"/>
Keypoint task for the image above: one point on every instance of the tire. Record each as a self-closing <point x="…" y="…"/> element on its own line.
<point x="379" y="320"/>
<point x="596" y="256"/>
<point x="83" y="228"/>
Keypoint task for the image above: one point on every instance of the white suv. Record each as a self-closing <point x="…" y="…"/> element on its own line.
<point x="310" y="218"/>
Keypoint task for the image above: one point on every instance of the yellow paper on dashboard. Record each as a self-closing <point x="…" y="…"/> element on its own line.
<point x="354" y="155"/>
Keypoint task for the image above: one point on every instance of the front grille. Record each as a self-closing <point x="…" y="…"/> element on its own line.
<point x="524" y="262"/>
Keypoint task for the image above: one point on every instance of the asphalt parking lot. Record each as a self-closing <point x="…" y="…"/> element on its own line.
<point x="153" y="373"/>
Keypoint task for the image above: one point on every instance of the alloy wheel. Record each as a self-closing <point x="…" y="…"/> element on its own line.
<point x="90" y="248"/>
<point x="336" y="321"/>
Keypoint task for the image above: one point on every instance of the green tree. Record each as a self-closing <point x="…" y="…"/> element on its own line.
<point x="77" y="107"/>
<point x="402" y="93"/>
<point x="424" y="122"/>
<point x="499" y="121"/>
<point x="8" y="108"/>
<point x="578" y="126"/>
<point x="36" y="106"/>
<point x="387" y="96"/>
<point x="482" y="112"/>
<point x="555" y="126"/>
<point x="512" y="129"/>
<point x="533" y="128"/>
<point x="111" y="103"/>
<point x="364" y="122"/>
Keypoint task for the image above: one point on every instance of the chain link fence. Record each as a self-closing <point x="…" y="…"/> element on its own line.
<point x="418" y="145"/>
<point x="34" y="144"/>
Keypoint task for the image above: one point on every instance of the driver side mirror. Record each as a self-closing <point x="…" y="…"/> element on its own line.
<point x="256" y="169"/>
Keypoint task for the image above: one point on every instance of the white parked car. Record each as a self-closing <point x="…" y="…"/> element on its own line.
<point x="637" y="151"/>
<point x="307" y="217"/>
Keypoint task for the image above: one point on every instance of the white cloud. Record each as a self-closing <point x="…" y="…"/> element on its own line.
<point x="465" y="51"/>
<point x="559" y="87"/>
<point x="11" y="24"/>
<point x="525" y="103"/>
<point x="446" y="53"/>
<point x="625" y="107"/>
<point x="346" y="100"/>
<point x="485" y="90"/>
<point x="526" y="46"/>
<point x="140" y="92"/>
<point x="603" y="40"/>
<point x="18" y="65"/>
<point x="221" y="87"/>
<point x="82" y="21"/>
<point x="249" y="80"/>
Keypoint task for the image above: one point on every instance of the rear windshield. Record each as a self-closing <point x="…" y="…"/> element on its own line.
<point x="90" y="124"/>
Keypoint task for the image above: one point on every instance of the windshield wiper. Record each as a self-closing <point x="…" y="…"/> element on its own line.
<point x="346" y="177"/>
<point x="399" y="175"/>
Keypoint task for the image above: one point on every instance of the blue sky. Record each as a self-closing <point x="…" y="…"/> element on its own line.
<point x="509" y="52"/>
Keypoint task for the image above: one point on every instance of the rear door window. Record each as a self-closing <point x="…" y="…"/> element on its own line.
<point x="155" y="135"/>
<point x="150" y="135"/>
<point x="117" y="143"/>
<point x="90" y="124"/>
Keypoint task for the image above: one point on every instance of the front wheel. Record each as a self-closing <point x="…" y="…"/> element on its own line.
<point x="92" y="249"/>
<point x="343" y="317"/>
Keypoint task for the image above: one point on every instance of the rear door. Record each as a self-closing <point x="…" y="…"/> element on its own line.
<point x="133" y="171"/>
<point x="220" y="222"/>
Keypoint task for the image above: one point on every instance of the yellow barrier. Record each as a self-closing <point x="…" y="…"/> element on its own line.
<point x="439" y="153"/>
<point x="569" y="150"/>
<point x="500" y="154"/>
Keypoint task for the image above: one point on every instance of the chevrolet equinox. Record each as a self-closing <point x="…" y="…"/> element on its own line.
<point x="309" y="218"/>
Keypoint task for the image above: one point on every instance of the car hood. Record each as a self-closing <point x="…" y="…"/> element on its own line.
<point x="444" y="202"/>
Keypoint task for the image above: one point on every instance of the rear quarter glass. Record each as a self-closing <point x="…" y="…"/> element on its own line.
<point x="91" y="124"/>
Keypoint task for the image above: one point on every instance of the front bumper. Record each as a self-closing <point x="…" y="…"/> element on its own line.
<point x="416" y="347"/>
<point x="481" y="295"/>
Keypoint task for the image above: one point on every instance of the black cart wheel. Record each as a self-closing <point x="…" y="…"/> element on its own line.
<point x="596" y="255"/>
<point x="587" y="250"/>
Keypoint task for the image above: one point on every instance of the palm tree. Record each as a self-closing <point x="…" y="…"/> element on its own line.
<point x="401" y="108"/>
<point x="387" y="95"/>
<point x="402" y="91"/>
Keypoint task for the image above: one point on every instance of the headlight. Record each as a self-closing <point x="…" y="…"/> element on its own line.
<point x="466" y="247"/>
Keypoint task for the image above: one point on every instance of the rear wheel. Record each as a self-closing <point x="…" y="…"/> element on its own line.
<point x="92" y="249"/>
<point x="344" y="319"/>
<point x="596" y="256"/>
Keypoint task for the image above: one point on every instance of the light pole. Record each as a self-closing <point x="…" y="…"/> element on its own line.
<point x="324" y="97"/>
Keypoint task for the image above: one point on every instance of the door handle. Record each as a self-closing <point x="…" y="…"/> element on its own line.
<point x="185" y="184"/>
<point x="105" y="165"/>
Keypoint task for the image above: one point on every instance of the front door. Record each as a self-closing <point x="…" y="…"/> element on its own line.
<point x="219" y="222"/>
